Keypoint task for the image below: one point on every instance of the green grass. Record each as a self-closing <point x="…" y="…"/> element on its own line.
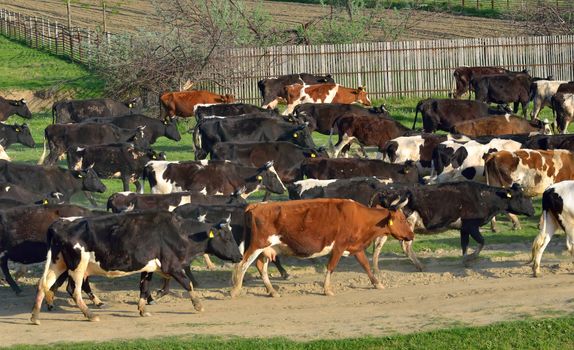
<point x="555" y="333"/>
<point x="29" y="69"/>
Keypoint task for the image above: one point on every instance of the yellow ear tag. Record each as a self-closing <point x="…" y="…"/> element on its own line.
<point x="390" y="222"/>
<point x="295" y="135"/>
<point x="153" y="157"/>
<point x="79" y="176"/>
<point x="211" y="235"/>
<point x="17" y="129"/>
<point x="260" y="178"/>
<point x="313" y="155"/>
<point x="130" y="105"/>
<point x="508" y="195"/>
<point x="45" y="202"/>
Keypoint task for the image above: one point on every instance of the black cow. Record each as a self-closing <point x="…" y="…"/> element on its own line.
<point x="273" y="89"/>
<point x="549" y="142"/>
<point x="359" y="189"/>
<point x="10" y="191"/>
<point x="287" y="157"/>
<point x="75" y="111"/>
<point x="505" y="88"/>
<point x="60" y="137"/>
<point x="434" y="207"/>
<point x="211" y="177"/>
<point x="442" y="114"/>
<point x="152" y="128"/>
<point x="41" y="179"/>
<point x="23" y="234"/>
<point x="10" y="134"/>
<point x="11" y="107"/>
<point x="122" y="244"/>
<point x="128" y="201"/>
<point x="344" y="168"/>
<point x="321" y="116"/>
<point x="248" y="128"/>
<point x="463" y="76"/>
<point x="122" y="160"/>
<point x="567" y="88"/>
<point x="230" y="109"/>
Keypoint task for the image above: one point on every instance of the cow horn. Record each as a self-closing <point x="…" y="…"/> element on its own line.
<point x="395" y="202"/>
<point x="269" y="164"/>
<point x="402" y="204"/>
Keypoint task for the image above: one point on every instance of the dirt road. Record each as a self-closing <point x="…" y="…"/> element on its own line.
<point x="498" y="287"/>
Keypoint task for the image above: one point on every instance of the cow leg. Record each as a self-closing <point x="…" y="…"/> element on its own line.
<point x="379" y="243"/>
<point x="541" y="241"/>
<point x="190" y="275"/>
<point x="240" y="269"/>
<point x="77" y="276"/>
<point x="364" y="262"/>
<point x="91" y="198"/>
<point x="282" y="271"/>
<point x="515" y="221"/>
<point x="470" y="228"/>
<point x="266" y="196"/>
<point x="52" y="271"/>
<point x="265" y="277"/>
<point x="208" y="262"/>
<point x="6" y="271"/>
<point x="493" y="224"/>
<point x="145" y="279"/>
<point x="409" y="252"/>
<point x="88" y="290"/>
<point x="180" y="277"/>
<point x="54" y="287"/>
<point x="336" y="254"/>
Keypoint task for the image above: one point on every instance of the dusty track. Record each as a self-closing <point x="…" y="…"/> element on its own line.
<point x="134" y="15"/>
<point x="497" y="287"/>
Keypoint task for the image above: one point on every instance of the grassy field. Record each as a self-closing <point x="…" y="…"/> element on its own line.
<point x="40" y="71"/>
<point x="530" y="334"/>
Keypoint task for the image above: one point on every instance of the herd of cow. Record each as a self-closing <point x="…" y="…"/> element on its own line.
<point x="490" y="163"/>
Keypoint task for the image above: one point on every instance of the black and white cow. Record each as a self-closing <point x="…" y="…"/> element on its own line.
<point x="11" y="107"/>
<point x="455" y="161"/>
<point x="115" y="160"/>
<point x="287" y="157"/>
<point x="10" y="191"/>
<point x="41" y="179"/>
<point x="223" y="110"/>
<point x="152" y="128"/>
<point x="23" y="234"/>
<point x="359" y="189"/>
<point x="563" y="106"/>
<point x="60" y="137"/>
<point x="78" y="110"/>
<point x="211" y="177"/>
<point x="247" y="128"/>
<point x="273" y="89"/>
<point x="10" y="134"/>
<point x="557" y="213"/>
<point x="122" y="244"/>
<point x="541" y="92"/>
<point x="344" y="168"/>
<point x="129" y="201"/>
<point x="416" y="148"/>
<point x="473" y="203"/>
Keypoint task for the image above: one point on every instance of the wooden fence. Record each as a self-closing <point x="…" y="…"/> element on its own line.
<point x="52" y="36"/>
<point x="406" y="68"/>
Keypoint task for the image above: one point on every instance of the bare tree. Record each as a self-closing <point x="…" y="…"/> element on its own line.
<point x="544" y="19"/>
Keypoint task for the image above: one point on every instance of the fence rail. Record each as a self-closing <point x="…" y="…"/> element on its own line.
<point x="405" y="68"/>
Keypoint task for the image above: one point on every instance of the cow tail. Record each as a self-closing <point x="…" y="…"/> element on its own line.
<point x="54" y="113"/>
<point x="196" y="139"/>
<point x="43" y="156"/>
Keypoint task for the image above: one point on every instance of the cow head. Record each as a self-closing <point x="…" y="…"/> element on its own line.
<point x="517" y="202"/>
<point x="171" y="131"/>
<point x="398" y="226"/>
<point x="153" y="155"/>
<point x="316" y="153"/>
<point x="134" y="104"/>
<point x="90" y="180"/>
<point x="23" y="135"/>
<point x="299" y="135"/>
<point x="361" y="96"/>
<point x="268" y="178"/>
<point x="544" y="125"/>
<point x="20" y="108"/>
<point x="382" y="111"/>
<point x="222" y="244"/>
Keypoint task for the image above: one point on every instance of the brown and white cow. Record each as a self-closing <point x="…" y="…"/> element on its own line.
<point x="500" y="125"/>
<point x="534" y="170"/>
<point x="324" y="93"/>
<point x="184" y="103"/>
<point x="313" y="228"/>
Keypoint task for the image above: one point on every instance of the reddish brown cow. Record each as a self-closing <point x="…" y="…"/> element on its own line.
<point x="184" y="103"/>
<point x="463" y="76"/>
<point x="500" y="125"/>
<point x="367" y="131"/>
<point x="313" y="228"/>
<point x="324" y="93"/>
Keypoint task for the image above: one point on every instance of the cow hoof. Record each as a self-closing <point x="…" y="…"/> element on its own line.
<point x="102" y="306"/>
<point x="50" y="307"/>
<point x="379" y="286"/>
<point x="274" y="295"/>
<point x="286" y="277"/>
<point x="329" y="293"/>
<point x="94" y="318"/>
<point x="151" y="302"/>
<point x="35" y="321"/>
<point x="145" y="314"/>
<point x="198" y="308"/>
<point x="234" y="293"/>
